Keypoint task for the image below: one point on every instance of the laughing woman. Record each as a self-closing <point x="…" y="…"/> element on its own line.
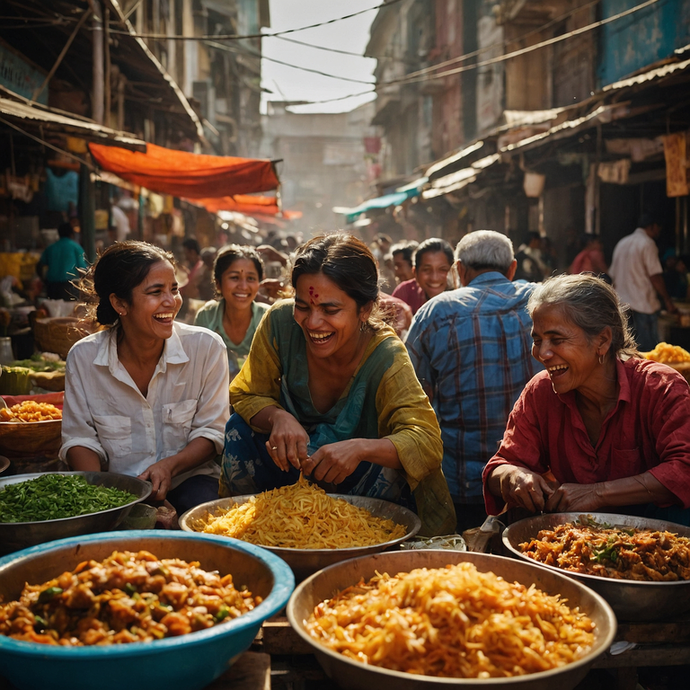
<point x="148" y="396"/>
<point x="238" y="272"/>
<point x="330" y="391"/>
<point x="600" y="429"/>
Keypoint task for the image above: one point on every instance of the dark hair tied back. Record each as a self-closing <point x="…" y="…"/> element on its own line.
<point x="345" y="260"/>
<point x="120" y="268"/>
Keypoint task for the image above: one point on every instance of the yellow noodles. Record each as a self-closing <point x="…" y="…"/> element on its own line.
<point x="302" y="516"/>
<point x="452" y="622"/>
<point x="668" y="354"/>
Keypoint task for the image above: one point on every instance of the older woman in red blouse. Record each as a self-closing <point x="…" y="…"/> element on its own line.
<point x="600" y="429"/>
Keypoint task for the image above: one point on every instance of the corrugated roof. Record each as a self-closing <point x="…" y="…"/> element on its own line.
<point x="64" y="123"/>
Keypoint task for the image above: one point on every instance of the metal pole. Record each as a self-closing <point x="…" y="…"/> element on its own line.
<point x="87" y="208"/>
<point x="106" y="45"/>
<point x="97" y="89"/>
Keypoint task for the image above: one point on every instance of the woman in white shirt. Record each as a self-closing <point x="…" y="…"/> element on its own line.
<point x="148" y="396"/>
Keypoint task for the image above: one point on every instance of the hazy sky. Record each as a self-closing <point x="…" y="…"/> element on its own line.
<point x="350" y="35"/>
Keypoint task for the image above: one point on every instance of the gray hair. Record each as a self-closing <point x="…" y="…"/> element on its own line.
<point x="484" y="249"/>
<point x="592" y="305"/>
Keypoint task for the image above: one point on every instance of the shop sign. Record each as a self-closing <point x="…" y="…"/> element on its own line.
<point x="19" y="76"/>
<point x="676" y="154"/>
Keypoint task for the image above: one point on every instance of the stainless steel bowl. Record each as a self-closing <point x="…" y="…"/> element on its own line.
<point x="630" y="599"/>
<point x="353" y="675"/>
<point x="19" y="535"/>
<point x="304" y="562"/>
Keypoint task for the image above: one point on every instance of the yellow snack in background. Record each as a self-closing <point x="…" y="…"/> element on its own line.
<point x="668" y="354"/>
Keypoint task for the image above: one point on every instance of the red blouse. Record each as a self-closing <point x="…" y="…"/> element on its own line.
<point x="648" y="429"/>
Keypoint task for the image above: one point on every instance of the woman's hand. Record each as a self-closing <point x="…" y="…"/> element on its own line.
<point x="160" y="476"/>
<point x="573" y="497"/>
<point x="334" y="462"/>
<point x="520" y="487"/>
<point x="287" y="444"/>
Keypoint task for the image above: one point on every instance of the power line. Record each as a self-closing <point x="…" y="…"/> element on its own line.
<point x="521" y="51"/>
<point x="312" y="45"/>
<point x="500" y="44"/>
<point x="220" y="46"/>
<point x="329" y="100"/>
<point x="235" y="37"/>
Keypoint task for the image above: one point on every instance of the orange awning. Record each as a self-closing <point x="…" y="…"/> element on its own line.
<point x="242" y="203"/>
<point x="183" y="174"/>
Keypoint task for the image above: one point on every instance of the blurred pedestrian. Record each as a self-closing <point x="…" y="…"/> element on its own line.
<point x="62" y="259"/>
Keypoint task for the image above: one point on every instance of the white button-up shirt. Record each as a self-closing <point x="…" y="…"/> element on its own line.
<point x="188" y="398"/>
<point x="635" y="259"/>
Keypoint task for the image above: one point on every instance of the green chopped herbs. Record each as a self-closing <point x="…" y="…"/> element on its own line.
<point x="54" y="496"/>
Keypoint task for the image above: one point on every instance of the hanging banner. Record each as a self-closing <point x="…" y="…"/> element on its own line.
<point x="675" y="152"/>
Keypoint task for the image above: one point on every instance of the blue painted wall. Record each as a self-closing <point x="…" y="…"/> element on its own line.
<point x="642" y="38"/>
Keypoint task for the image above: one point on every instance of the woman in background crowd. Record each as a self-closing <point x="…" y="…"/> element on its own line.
<point x="433" y="260"/>
<point x="238" y="272"/>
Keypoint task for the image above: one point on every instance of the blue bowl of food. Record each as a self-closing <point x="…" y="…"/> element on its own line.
<point x="134" y="620"/>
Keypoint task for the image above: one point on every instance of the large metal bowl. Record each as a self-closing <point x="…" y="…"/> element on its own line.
<point x="630" y="599"/>
<point x="353" y="675"/>
<point x="187" y="662"/>
<point x="304" y="562"/>
<point x="19" y="535"/>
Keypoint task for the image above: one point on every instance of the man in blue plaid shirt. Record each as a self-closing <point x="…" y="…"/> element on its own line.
<point x="471" y="349"/>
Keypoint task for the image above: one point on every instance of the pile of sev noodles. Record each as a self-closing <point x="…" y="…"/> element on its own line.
<point x="302" y="516"/>
<point x="452" y="622"/>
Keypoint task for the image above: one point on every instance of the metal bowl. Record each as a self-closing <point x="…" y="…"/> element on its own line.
<point x="187" y="662"/>
<point x="630" y="599"/>
<point x="353" y="675"/>
<point x="19" y="535"/>
<point x="304" y="562"/>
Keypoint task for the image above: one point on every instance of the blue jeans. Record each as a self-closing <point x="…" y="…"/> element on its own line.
<point x="192" y="492"/>
<point x="645" y="329"/>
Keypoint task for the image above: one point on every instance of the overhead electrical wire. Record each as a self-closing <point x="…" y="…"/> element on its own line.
<point x="522" y="51"/>
<point x="235" y="37"/>
<point x="230" y="49"/>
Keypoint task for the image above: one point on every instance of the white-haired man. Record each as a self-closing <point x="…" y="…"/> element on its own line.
<point x="471" y="349"/>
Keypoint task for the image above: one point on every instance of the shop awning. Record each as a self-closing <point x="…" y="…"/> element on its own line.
<point x="401" y="195"/>
<point x="242" y="203"/>
<point x="184" y="174"/>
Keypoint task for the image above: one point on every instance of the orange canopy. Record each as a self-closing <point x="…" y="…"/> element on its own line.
<point x="242" y="203"/>
<point x="183" y="174"/>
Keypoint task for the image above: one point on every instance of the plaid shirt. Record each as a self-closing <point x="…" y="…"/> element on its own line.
<point x="472" y="349"/>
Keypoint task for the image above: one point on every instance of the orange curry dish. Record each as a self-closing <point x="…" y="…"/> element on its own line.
<point x="128" y="597"/>
<point x="614" y="552"/>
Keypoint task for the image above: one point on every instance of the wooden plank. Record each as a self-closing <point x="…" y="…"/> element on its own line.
<point x="252" y="671"/>
<point x="279" y="638"/>
<point x="647" y="655"/>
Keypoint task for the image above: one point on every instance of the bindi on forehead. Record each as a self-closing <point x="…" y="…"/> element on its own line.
<point x="313" y="295"/>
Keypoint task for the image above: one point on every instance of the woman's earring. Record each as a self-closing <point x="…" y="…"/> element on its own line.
<point x="362" y="326"/>
<point x="601" y="359"/>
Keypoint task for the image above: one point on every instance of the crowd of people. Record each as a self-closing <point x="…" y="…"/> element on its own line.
<point x="461" y="391"/>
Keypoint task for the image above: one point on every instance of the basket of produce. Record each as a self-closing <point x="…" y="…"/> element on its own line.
<point x="31" y="426"/>
<point x="46" y="371"/>
<point x="415" y="619"/>
<point x="134" y="609"/>
<point x="305" y="526"/>
<point x="640" y="566"/>
<point x="673" y="356"/>
<point x="40" y="507"/>
<point x="60" y="333"/>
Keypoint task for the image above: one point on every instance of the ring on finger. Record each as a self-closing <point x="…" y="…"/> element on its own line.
<point x="274" y="447"/>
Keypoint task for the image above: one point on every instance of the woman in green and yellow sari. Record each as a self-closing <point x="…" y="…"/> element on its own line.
<point x="329" y="390"/>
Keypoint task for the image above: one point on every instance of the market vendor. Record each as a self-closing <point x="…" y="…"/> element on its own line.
<point x="328" y="389"/>
<point x="600" y="429"/>
<point x="147" y="396"/>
